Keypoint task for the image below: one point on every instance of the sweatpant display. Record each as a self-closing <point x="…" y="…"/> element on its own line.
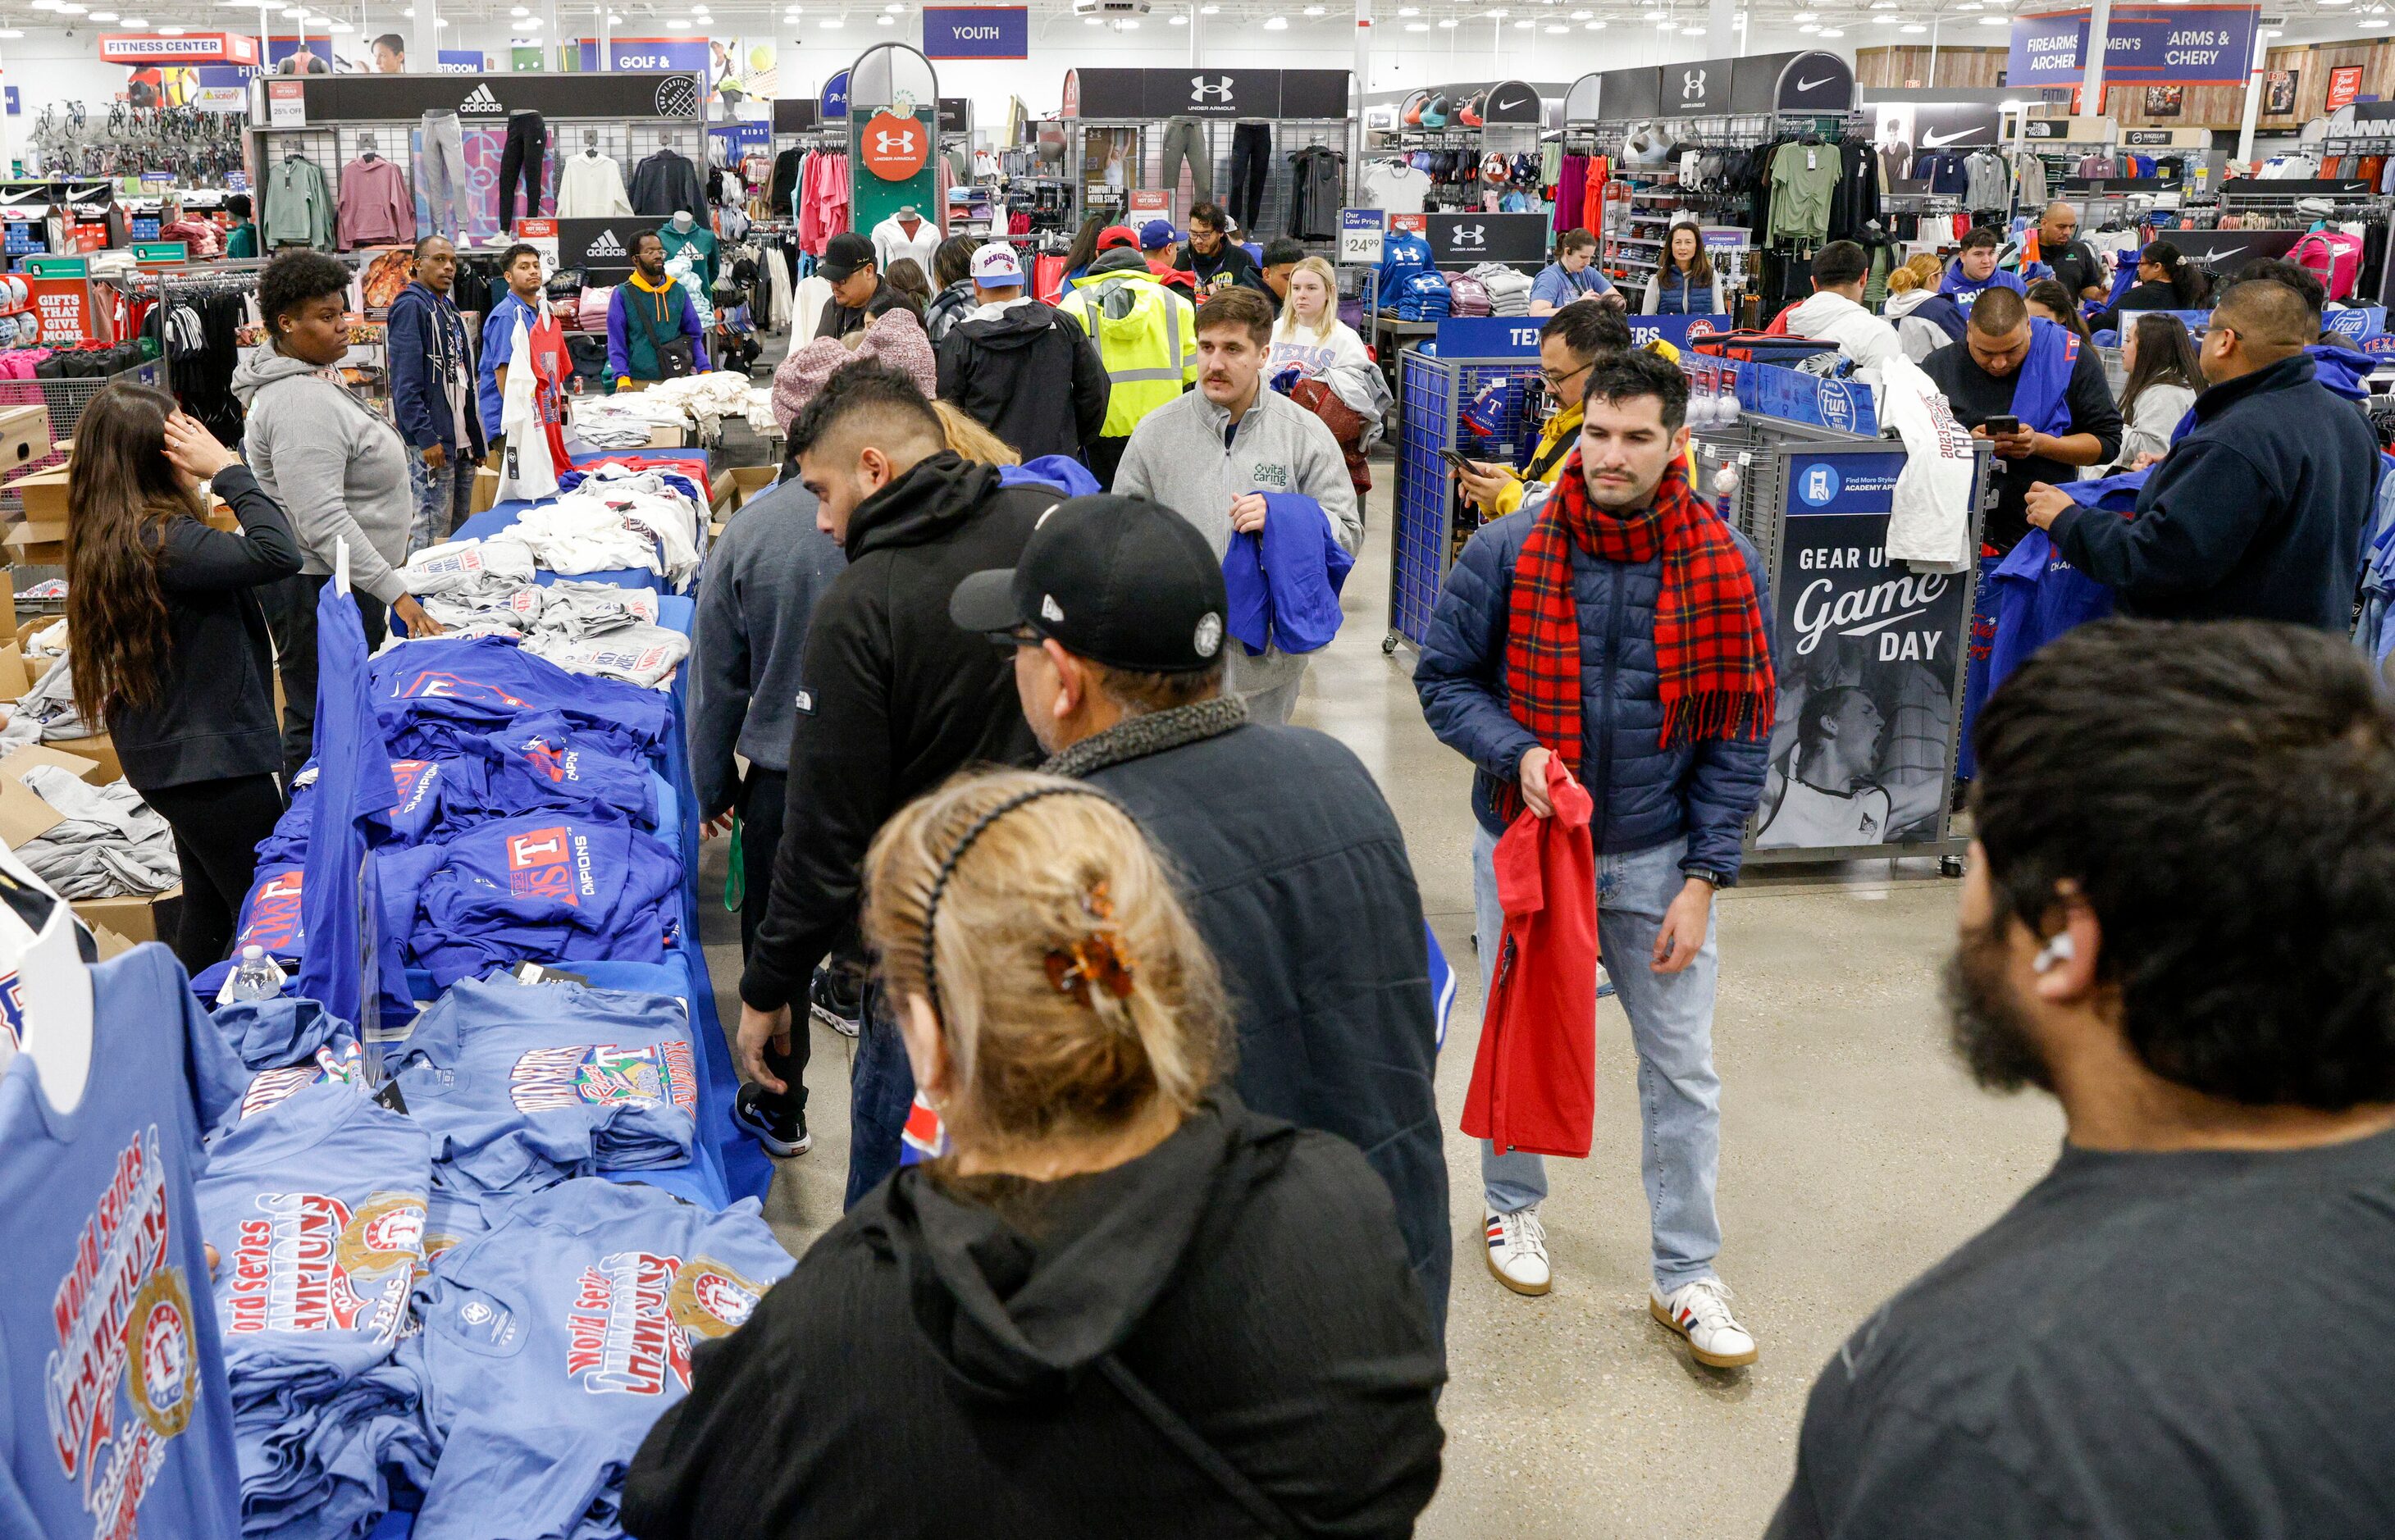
<point x="1185" y="141"/>
<point x="440" y="167"/>
<point x="1251" y="169"/>
<point x="525" y="154"/>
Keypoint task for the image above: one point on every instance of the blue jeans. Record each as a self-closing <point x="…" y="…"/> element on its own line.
<point x="880" y="1092"/>
<point x="441" y="497"/>
<point x="1671" y="1024"/>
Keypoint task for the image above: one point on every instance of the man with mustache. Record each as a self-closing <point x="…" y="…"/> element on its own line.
<point x="2179" y="922"/>
<point x="1214" y="454"/>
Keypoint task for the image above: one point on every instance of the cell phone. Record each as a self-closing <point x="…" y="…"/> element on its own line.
<point x="2003" y="426"/>
<point x="1457" y="459"/>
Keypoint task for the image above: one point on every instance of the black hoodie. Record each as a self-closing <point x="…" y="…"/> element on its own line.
<point x="942" y="1361"/>
<point x="893" y="699"/>
<point x="1030" y="374"/>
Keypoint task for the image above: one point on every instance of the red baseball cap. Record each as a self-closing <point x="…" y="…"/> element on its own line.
<point x="1118" y="235"/>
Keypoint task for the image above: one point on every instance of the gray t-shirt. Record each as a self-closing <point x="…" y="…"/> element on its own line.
<point x="2148" y="1347"/>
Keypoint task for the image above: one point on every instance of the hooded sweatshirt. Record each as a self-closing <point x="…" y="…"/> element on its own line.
<point x="1186" y="457"/>
<point x="1924" y="321"/>
<point x="1028" y="373"/>
<point x="337" y="468"/>
<point x="892" y="698"/>
<point x="952" y="1358"/>
<point x="1859" y="334"/>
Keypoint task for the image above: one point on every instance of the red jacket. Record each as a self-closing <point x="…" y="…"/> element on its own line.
<point x="1534" y="1079"/>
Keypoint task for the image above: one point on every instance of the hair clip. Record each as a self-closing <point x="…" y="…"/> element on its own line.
<point x="1099" y="958"/>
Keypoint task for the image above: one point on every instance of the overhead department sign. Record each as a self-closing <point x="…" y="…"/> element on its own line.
<point x="2148" y="44"/>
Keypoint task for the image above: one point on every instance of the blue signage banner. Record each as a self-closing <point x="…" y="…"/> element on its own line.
<point x="1487" y="336"/>
<point x="1844" y="483"/>
<point x="976" y="32"/>
<point x="835" y="99"/>
<point x="2149" y="44"/>
<point x="650" y="53"/>
<point x="1794" y="396"/>
<point x="1676" y="329"/>
<point x="2356" y="320"/>
<point x="461" y="61"/>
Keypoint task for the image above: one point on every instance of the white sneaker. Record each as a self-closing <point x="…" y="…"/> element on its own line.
<point x="1700" y="1312"/>
<point x="1517" y="1250"/>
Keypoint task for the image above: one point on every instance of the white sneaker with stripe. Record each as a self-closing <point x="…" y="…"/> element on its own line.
<point x="1700" y="1312"/>
<point x="1517" y="1250"/>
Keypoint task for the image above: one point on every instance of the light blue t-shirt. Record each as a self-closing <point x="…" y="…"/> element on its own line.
<point x="1560" y="288"/>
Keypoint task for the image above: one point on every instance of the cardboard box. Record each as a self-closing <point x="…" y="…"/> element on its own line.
<point x="106" y="943"/>
<point x="21" y="760"/>
<point x="134" y="918"/>
<point x="486" y="489"/>
<point x="100" y="750"/>
<point x="667" y="437"/>
<point x="748" y="481"/>
<point x="44" y="496"/>
<point x="23" y="814"/>
<point x="24" y="434"/>
<point x="720" y="492"/>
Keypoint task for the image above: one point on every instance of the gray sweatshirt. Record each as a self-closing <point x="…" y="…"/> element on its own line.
<point x="339" y="469"/>
<point x="1177" y="456"/>
<point x="755" y="599"/>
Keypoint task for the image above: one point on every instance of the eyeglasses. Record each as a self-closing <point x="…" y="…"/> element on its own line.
<point x="1555" y="381"/>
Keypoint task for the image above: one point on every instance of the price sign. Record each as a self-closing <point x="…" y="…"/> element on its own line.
<point x="1150" y="203"/>
<point x="1413" y="224"/>
<point x="286" y="104"/>
<point x="1359" y="235"/>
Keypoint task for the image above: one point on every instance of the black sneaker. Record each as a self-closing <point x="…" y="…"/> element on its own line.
<point x="837" y="1000"/>
<point x="771" y="1121"/>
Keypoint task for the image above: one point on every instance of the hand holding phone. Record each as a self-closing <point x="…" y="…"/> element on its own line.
<point x="2003" y="426"/>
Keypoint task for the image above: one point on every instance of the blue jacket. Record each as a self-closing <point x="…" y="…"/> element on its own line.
<point x="1283" y="584"/>
<point x="1646" y="795"/>
<point x="2259" y="513"/>
<point x="427" y="334"/>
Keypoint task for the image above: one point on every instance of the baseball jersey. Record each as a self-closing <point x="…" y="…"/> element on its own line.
<point x="552" y="1342"/>
<point x="522" y="1084"/>
<point x="546" y="887"/>
<point x="1810" y="819"/>
<point x="111" y="1370"/>
<point x="316" y="1204"/>
<point x="434" y="697"/>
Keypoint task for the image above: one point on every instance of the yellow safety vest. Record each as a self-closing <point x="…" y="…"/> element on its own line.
<point x="1146" y="336"/>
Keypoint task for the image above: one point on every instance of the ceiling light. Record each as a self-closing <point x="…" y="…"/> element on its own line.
<point x="1449" y="23"/>
<point x="678" y="24"/>
<point x="1556" y="31"/>
<point x="518" y="11"/>
<point x="1210" y="10"/>
<point x="1884" y="20"/>
<point x="46" y="4"/>
<point x="615" y="20"/>
<point x="1810" y="27"/>
<point x="103" y="16"/>
<point x="1275" y="23"/>
<point x="72" y="10"/>
<point x="881" y="21"/>
<point x="1592" y="26"/>
<point x="1176" y="21"/>
<point x="1913" y="27"/>
<point x="1417" y="26"/>
<point x="1495" y="16"/>
<point x="1313" y="10"/>
<point x="2336" y="2"/>
<point x="1409" y="11"/>
<point x="1832" y="32"/>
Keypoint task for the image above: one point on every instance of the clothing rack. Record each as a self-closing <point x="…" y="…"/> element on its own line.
<point x="1144" y="167"/>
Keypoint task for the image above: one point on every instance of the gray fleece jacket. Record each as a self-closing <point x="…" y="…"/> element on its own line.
<point x="1179" y="456"/>
<point x="339" y="469"/>
<point x="755" y="600"/>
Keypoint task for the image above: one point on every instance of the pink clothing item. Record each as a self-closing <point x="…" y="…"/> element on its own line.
<point x="199" y="237"/>
<point x="894" y="337"/>
<point x="375" y="207"/>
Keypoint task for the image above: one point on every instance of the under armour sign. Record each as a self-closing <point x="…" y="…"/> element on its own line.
<point x="1463" y="239"/>
<point x="1699" y="88"/>
<point x="894" y="148"/>
<point x="1217" y="87"/>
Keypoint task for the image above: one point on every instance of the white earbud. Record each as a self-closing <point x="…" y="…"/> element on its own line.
<point x="2055" y="952"/>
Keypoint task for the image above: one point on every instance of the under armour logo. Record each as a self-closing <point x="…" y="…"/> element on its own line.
<point x="1472" y="235"/>
<point x="1200" y="90"/>
<point x="1692" y="84"/>
<point x="900" y="143"/>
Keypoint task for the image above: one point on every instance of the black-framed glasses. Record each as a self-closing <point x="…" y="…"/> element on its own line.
<point x="1556" y="381"/>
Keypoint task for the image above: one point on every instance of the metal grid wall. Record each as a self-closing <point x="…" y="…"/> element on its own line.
<point x="1144" y="167"/>
<point x="1426" y="531"/>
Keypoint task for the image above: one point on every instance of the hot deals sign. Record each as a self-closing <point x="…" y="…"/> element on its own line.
<point x="2149" y="44"/>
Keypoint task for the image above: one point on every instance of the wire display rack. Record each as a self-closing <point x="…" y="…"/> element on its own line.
<point x="1432" y="521"/>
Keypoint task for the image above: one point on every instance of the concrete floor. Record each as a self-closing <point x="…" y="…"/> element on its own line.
<point x="1854" y="1155"/>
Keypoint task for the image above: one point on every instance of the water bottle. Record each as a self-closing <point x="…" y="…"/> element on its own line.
<point x="257" y="978"/>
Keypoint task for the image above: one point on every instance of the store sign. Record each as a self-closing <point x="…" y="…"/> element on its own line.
<point x="1360" y="232"/>
<point x="1150" y="203"/>
<point x="1205" y="93"/>
<point x="286" y="103"/>
<point x="488" y="99"/>
<point x="192" y="48"/>
<point x="894" y="148"/>
<point x="1961" y="125"/>
<point x="1629" y="93"/>
<point x="1702" y="86"/>
<point x="1511" y="102"/>
<point x="2148" y="44"/>
<point x="834" y="101"/>
<point x="1845" y="612"/>
<point x="2145" y="137"/>
<point x="160" y="254"/>
<point x="976" y="32"/>
<point x="459" y="61"/>
<point x="2356" y="320"/>
<point x="1461" y="239"/>
<point x="1794" y="396"/>
<point x="1678" y="330"/>
<point x="2344" y="84"/>
<point x="1486" y="337"/>
<point x="63" y="306"/>
<point x="795" y="117"/>
<point x="649" y="53"/>
<point x="1409" y="224"/>
<point x="602" y="249"/>
<point x="541" y="235"/>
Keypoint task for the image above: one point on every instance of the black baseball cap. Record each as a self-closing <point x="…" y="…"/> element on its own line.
<point x="1121" y="581"/>
<point x="843" y="255"/>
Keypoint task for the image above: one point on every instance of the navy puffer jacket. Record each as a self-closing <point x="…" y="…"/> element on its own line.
<point x="1646" y="795"/>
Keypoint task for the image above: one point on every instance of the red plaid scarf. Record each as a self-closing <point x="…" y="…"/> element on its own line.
<point x="1714" y="663"/>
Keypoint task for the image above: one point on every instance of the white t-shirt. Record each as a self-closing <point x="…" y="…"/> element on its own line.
<point x="1397" y="189"/>
<point x="1317" y="356"/>
<point x="1811" y="818"/>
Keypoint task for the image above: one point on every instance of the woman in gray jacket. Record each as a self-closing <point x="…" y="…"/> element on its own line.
<point x="336" y="467"/>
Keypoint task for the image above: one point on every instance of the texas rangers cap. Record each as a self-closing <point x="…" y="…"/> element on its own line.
<point x="994" y="265"/>
<point x="1123" y="581"/>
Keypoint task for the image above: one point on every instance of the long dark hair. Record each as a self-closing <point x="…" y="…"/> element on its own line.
<point x="2050" y="292"/>
<point x="2165" y="356"/>
<point x="121" y="494"/>
<point x="1702" y="270"/>
<point x="2188" y="282"/>
<point x="1084" y="249"/>
<point x="952" y="260"/>
<point x="906" y="275"/>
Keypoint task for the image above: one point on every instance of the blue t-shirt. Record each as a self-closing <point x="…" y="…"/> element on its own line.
<point x="552" y="1342"/>
<point x="111" y="1369"/>
<point x="315" y="1206"/>
<point x="1963" y="291"/>
<point x="435" y="697"/>
<point x="498" y="348"/>
<point x="541" y="761"/>
<point x="523" y="1084"/>
<point x="1559" y="288"/>
<point x="546" y="887"/>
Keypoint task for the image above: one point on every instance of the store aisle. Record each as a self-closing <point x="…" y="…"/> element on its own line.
<point x="1854" y="1155"/>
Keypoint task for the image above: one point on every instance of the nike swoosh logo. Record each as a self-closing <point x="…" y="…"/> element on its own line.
<point x="1934" y="141"/>
<point x="1509" y="106"/>
<point x="1808" y="84"/>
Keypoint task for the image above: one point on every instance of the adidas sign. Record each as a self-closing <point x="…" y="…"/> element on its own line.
<point x="480" y="99"/>
<point x="604" y="245"/>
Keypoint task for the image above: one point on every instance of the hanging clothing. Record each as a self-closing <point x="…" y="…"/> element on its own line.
<point x="296" y="207"/>
<point x="378" y="208"/>
<point x="590" y="186"/>
<point x="699" y="241"/>
<point x="668" y="183"/>
<point x="893" y="240"/>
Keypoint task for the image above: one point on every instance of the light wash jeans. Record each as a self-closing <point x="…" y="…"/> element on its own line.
<point x="442" y="498"/>
<point x="1671" y="1025"/>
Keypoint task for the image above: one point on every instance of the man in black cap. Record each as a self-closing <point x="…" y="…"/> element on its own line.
<point x="847" y="266"/>
<point x="1296" y="872"/>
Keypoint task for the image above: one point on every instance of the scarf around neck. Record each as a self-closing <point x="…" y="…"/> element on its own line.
<point x="1713" y="660"/>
